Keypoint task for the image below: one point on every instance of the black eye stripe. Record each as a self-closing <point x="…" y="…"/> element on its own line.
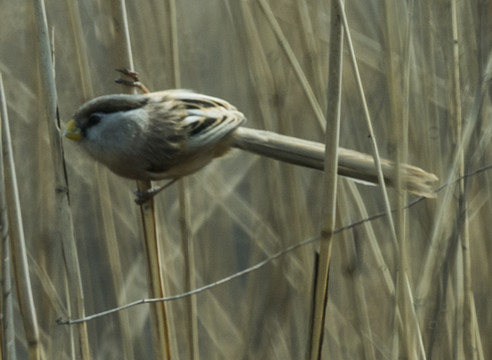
<point x="94" y="119"/>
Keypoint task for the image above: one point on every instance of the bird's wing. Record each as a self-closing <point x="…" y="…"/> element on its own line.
<point x="195" y="128"/>
<point x="205" y="120"/>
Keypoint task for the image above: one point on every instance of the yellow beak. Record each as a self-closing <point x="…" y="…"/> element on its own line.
<point x="72" y="132"/>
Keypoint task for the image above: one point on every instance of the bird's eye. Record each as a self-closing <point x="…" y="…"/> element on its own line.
<point x="93" y="120"/>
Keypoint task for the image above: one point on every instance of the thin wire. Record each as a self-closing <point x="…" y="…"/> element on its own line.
<point x="261" y="264"/>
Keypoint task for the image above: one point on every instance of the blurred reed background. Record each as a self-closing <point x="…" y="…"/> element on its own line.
<point x="424" y="70"/>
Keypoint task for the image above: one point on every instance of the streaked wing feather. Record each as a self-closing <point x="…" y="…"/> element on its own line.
<point x="208" y="119"/>
<point x="200" y="123"/>
<point x="212" y="127"/>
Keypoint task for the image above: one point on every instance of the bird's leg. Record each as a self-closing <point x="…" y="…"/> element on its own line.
<point x="146" y="195"/>
<point x="134" y="82"/>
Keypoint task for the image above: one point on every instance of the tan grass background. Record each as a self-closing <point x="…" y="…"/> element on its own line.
<point x="242" y="209"/>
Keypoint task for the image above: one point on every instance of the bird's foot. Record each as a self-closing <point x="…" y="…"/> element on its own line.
<point x="134" y="82"/>
<point x="141" y="197"/>
<point x="145" y="195"/>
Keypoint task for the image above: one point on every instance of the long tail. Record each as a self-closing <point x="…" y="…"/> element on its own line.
<point x="352" y="164"/>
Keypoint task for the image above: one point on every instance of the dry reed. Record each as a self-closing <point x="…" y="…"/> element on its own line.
<point x="419" y="290"/>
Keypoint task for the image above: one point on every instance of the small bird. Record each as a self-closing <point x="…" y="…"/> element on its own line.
<point x="155" y="136"/>
<point x="173" y="133"/>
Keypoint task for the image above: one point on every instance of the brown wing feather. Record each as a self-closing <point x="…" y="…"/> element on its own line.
<point x="195" y="127"/>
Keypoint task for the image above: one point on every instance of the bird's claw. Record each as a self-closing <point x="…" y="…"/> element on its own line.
<point x="142" y="197"/>
<point x="129" y="73"/>
<point x="145" y="195"/>
<point x="126" y="82"/>
<point x="134" y="82"/>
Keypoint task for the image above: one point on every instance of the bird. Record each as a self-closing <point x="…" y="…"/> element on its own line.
<point x="174" y="133"/>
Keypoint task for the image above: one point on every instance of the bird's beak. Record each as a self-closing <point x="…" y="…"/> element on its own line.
<point x="72" y="132"/>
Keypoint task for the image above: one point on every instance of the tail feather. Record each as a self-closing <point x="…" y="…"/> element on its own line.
<point x="351" y="163"/>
